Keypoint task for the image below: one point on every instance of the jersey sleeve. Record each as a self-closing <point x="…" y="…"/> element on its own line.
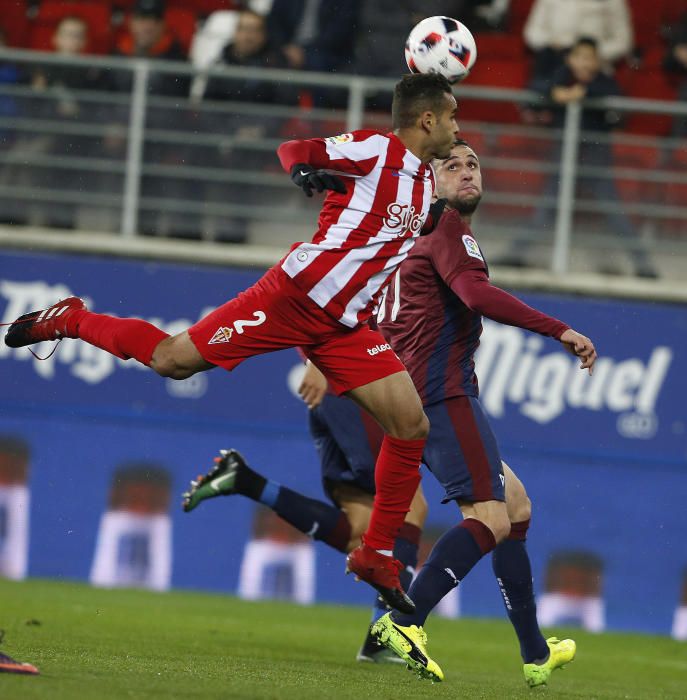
<point x="476" y="291"/>
<point x="453" y="250"/>
<point x="355" y="153"/>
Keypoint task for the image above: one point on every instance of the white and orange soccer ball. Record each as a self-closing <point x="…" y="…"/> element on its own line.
<point x="441" y="45"/>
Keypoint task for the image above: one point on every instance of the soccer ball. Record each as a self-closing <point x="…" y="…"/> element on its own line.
<point x="441" y="45"/>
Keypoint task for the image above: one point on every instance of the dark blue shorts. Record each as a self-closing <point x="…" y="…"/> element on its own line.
<point x="348" y="441"/>
<point x="462" y="453"/>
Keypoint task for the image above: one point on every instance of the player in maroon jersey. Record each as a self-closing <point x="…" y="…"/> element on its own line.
<point x="379" y="191"/>
<point x="432" y="316"/>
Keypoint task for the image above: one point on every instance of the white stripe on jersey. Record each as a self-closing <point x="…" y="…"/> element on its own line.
<point x="349" y="220"/>
<point x="332" y="283"/>
<point x="374" y="284"/>
<point x="357" y="150"/>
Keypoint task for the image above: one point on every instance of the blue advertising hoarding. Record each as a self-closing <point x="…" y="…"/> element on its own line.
<point x="604" y="458"/>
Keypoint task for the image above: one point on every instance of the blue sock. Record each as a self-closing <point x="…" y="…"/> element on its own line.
<point x="405" y="550"/>
<point x="513" y="572"/>
<point x="315" y="518"/>
<point x="450" y="560"/>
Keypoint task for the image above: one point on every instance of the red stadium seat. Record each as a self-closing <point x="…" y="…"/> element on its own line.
<point x="654" y="85"/>
<point x="14" y="22"/>
<point x="203" y="8"/>
<point x="647" y="20"/>
<point x="639" y="159"/>
<point x="51" y="12"/>
<point x="523" y="146"/>
<point x="182" y="22"/>
<point x="495" y="73"/>
<point x="519" y="11"/>
<point x="501" y="45"/>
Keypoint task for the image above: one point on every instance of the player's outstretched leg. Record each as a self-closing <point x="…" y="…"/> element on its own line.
<point x="230" y="475"/>
<point x="410" y="644"/>
<point x="46" y="324"/>
<point x="125" y="338"/>
<point x="560" y="653"/>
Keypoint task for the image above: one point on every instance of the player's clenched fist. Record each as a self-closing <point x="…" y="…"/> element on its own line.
<point x="309" y="179"/>
<point x="313" y="387"/>
<point x="580" y="346"/>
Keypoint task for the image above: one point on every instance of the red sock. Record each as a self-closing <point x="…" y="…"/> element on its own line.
<point x="123" y="337"/>
<point x="397" y="475"/>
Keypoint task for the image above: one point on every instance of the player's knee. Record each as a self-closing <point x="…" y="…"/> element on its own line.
<point x="499" y="524"/>
<point x="415" y="428"/>
<point x="522" y="510"/>
<point x="165" y="365"/>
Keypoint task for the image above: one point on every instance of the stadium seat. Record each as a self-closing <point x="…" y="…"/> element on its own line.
<point x="647" y="20"/>
<point x="494" y="73"/>
<point x="182" y="22"/>
<point x="640" y="159"/>
<point x="519" y="11"/>
<point x="500" y="45"/>
<point x="526" y="146"/>
<point x="15" y="22"/>
<point x="654" y="85"/>
<point x="51" y="12"/>
<point x="203" y="8"/>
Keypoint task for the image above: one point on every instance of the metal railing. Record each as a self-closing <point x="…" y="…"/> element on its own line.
<point x="137" y="162"/>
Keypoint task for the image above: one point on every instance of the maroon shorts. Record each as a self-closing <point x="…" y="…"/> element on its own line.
<point x="274" y="314"/>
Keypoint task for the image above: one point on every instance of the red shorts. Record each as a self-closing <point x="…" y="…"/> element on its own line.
<point x="274" y="314"/>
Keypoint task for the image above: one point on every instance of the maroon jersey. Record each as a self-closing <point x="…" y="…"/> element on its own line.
<point x="364" y="234"/>
<point x="431" y="313"/>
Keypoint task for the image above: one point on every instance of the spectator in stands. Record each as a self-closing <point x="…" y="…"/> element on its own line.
<point x="239" y="133"/>
<point x="315" y="34"/>
<point x="553" y="26"/>
<point x="70" y="39"/>
<point x="676" y="63"/>
<point x="10" y="74"/>
<point x="249" y="47"/>
<point x="11" y="212"/>
<point x="582" y="77"/>
<point x="149" y="37"/>
<point x="60" y="104"/>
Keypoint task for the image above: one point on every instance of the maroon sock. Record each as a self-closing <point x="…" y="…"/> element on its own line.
<point x="123" y="337"/>
<point x="397" y="475"/>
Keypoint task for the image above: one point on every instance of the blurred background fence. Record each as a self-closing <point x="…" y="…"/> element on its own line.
<point x="140" y="164"/>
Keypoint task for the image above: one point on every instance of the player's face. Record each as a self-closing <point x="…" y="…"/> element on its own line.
<point x="446" y="128"/>
<point x="459" y="179"/>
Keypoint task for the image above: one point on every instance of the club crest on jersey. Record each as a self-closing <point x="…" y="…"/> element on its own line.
<point x="341" y="138"/>
<point x="472" y="248"/>
<point x="222" y="335"/>
<point x="404" y="218"/>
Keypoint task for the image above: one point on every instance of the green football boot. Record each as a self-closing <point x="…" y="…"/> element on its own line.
<point x="219" y="481"/>
<point x="561" y="652"/>
<point x="410" y="643"/>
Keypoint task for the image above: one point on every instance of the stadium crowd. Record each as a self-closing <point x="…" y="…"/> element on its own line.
<point x="641" y="47"/>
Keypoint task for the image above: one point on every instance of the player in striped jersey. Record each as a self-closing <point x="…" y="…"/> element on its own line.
<point x="432" y="316"/>
<point x="379" y="191"/>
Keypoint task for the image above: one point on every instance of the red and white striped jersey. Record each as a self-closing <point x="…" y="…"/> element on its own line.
<point x="365" y="234"/>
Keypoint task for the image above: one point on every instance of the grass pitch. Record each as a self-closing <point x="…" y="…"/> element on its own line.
<point x="98" y="644"/>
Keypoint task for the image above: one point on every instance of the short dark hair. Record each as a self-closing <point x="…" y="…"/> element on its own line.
<point x="417" y="93"/>
<point x="586" y="41"/>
